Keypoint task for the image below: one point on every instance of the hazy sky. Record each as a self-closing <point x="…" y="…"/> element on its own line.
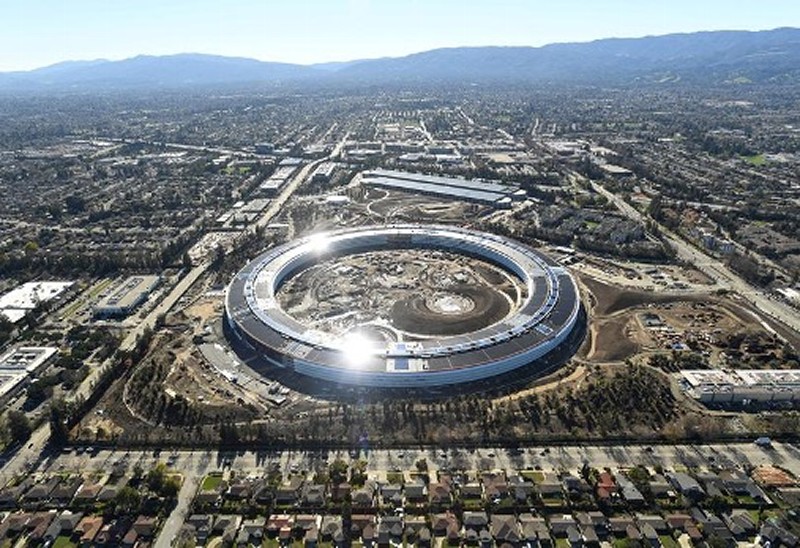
<point x="40" y="32"/>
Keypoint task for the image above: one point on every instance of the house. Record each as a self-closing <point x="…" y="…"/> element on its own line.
<point x="107" y="493"/>
<point x="574" y="537"/>
<point x="686" y="485"/>
<point x="9" y="497"/>
<point x="679" y="522"/>
<point x="521" y="489"/>
<point x="744" y="520"/>
<point x="504" y="528"/>
<point x="618" y="525"/>
<point x="39" y="494"/>
<point x="87" y="494"/>
<point x="594" y="521"/>
<point x="424" y="537"/>
<point x="17" y="523"/>
<point x="263" y="493"/>
<point x="474" y="524"/>
<point x="87" y="529"/>
<point x="331" y="530"/>
<point x="777" y="535"/>
<point x="471" y="491"/>
<point x="390" y="528"/>
<point x="201" y="525"/>
<point x="392" y="495"/>
<point x="575" y="486"/>
<point x="416" y="492"/>
<point x="288" y="493"/>
<point x="277" y="522"/>
<point x="226" y="527"/>
<point x="239" y="490"/>
<point x="38" y="525"/>
<point x="363" y="526"/>
<point x="314" y="495"/>
<point x="630" y="493"/>
<point x="414" y="524"/>
<point x="365" y="496"/>
<point x="589" y="536"/>
<point x="442" y="525"/>
<point x="340" y="492"/>
<point x="64" y="492"/>
<point x="713" y="484"/>
<point x="534" y="531"/>
<point x="251" y="532"/>
<point x="439" y="494"/>
<point x="658" y="523"/>
<point x="550" y="488"/>
<point x="650" y="535"/>
<point x="495" y="486"/>
<point x="146" y="526"/>
<point x="560" y="524"/>
<point x="306" y="526"/>
<point x="65" y="522"/>
<point x="661" y="488"/>
<point x="712" y="526"/>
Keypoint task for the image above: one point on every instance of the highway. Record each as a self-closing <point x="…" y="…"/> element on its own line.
<point x="714" y="268"/>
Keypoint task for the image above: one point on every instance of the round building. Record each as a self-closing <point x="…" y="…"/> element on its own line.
<point x="544" y="308"/>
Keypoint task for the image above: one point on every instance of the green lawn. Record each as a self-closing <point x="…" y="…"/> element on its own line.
<point x="394" y="478"/>
<point x="756" y="160"/>
<point x="668" y="542"/>
<point x="63" y="542"/>
<point x="210" y="483"/>
<point x="534" y="475"/>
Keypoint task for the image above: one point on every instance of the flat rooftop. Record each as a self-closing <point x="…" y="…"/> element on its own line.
<point x="15" y="303"/>
<point x="129" y="293"/>
<point x="19" y="363"/>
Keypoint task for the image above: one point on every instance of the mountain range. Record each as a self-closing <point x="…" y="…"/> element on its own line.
<point x="703" y="58"/>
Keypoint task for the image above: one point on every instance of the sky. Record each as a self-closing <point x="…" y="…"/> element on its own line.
<point x="37" y="33"/>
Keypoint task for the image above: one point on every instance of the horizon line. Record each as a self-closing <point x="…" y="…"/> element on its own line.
<point x="398" y="56"/>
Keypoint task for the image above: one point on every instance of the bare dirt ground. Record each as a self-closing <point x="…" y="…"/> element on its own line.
<point x="417" y="293"/>
<point x="625" y="323"/>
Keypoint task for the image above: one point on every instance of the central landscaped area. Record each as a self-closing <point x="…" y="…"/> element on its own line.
<point x="402" y="294"/>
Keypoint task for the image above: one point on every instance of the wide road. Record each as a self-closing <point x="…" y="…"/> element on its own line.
<point x="714" y="268"/>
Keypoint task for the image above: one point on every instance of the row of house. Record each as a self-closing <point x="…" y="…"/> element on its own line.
<point x="475" y="528"/>
<point x="548" y="489"/>
<point x="44" y="527"/>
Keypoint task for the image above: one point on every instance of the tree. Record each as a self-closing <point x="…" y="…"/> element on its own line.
<point x="19" y="426"/>
<point x="170" y="488"/>
<point x="156" y="477"/>
<point x="338" y="472"/>
<point x="128" y="500"/>
<point x="59" y="431"/>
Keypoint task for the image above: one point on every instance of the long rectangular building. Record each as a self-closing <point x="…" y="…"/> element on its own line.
<point x="491" y="193"/>
<point x="18" y="364"/>
<point x="18" y="302"/>
<point x="742" y="386"/>
<point x="124" y="298"/>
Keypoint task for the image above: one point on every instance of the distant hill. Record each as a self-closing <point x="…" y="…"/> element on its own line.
<point x="144" y="71"/>
<point x="708" y="57"/>
<point x="699" y="58"/>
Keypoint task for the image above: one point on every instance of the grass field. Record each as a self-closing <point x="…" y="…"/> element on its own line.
<point x="756" y="160"/>
<point x="210" y="483"/>
<point x="63" y="542"/>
